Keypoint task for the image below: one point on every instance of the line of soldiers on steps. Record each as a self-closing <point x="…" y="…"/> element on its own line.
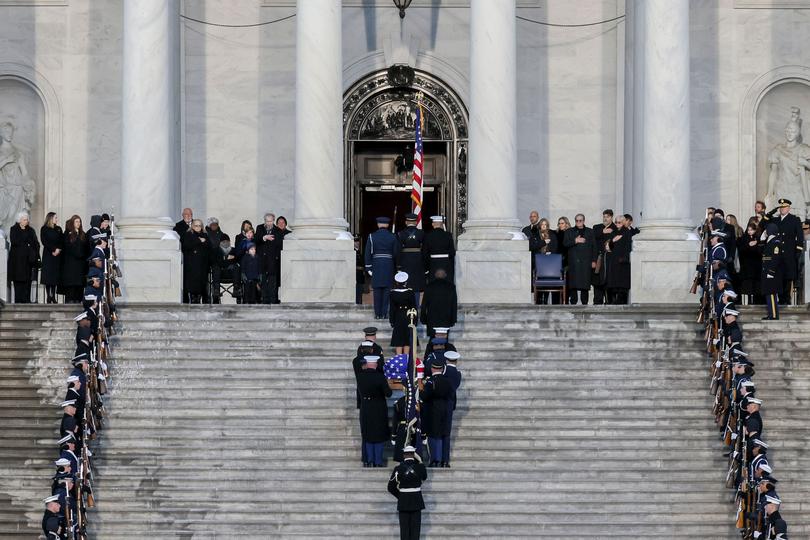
<point x="736" y="405"/>
<point x="421" y="428"/>
<point x="65" y="516"/>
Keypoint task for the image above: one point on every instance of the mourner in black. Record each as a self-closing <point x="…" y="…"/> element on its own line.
<point x="770" y="281"/>
<point x="53" y="242"/>
<point x="440" y="303"/>
<point x="410" y="258"/>
<point x="23" y="258"/>
<point x="439" y="251"/>
<point x="219" y="244"/>
<point x="184" y="224"/>
<point x="405" y="484"/>
<point x="749" y="252"/>
<point x="602" y="232"/>
<point x="359" y="272"/>
<point x="401" y="301"/>
<point x="792" y="248"/>
<point x="374" y="389"/>
<point x="582" y="254"/>
<point x="532" y="234"/>
<point x="196" y="258"/>
<point x="74" y="261"/>
<point x="617" y="262"/>
<point x="53" y="521"/>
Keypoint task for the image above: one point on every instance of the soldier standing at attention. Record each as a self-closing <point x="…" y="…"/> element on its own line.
<point x="792" y="248"/>
<point x="406" y="485"/>
<point x="438" y="250"/>
<point x="52" y="520"/>
<point x="382" y="249"/>
<point x="410" y="255"/>
<point x="771" y="277"/>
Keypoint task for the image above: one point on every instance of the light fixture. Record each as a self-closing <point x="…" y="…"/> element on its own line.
<point x="402" y="5"/>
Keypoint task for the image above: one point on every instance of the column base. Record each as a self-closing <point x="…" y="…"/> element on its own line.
<point x="4" y="292"/>
<point x="662" y="270"/>
<point x="318" y="269"/>
<point x="151" y="263"/>
<point x="494" y="271"/>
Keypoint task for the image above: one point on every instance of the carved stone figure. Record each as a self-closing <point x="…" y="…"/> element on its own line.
<point x="17" y="189"/>
<point x="789" y="163"/>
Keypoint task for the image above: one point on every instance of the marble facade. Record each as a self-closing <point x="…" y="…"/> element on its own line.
<point x="578" y="132"/>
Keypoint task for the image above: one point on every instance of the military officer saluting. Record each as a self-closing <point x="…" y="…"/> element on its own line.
<point x="410" y="255"/>
<point x="792" y="240"/>
<point x="406" y="485"/>
<point x="382" y="248"/>
<point x="438" y="250"/>
<point x="772" y="265"/>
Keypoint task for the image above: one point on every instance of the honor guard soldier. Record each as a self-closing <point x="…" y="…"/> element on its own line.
<point x="405" y="484"/>
<point x="772" y="270"/>
<point x="452" y="373"/>
<point x="410" y="255"/>
<point x="791" y="238"/>
<point x="753" y="422"/>
<point x="438" y="250"/>
<point x="53" y="526"/>
<point x="382" y="248"/>
<point x="374" y="390"/>
<point x="370" y="334"/>
<point x="437" y="400"/>
<point x="439" y="342"/>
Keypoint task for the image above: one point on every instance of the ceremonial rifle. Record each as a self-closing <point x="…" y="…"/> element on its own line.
<point x="701" y="259"/>
<point x="411" y="401"/>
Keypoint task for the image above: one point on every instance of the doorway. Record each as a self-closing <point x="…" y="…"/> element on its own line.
<point x="393" y="202"/>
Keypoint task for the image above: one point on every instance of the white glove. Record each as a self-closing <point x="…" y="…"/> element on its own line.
<point x="718" y="364"/>
<point x="369" y="273"/>
<point x="757" y="534"/>
<point x="734" y="438"/>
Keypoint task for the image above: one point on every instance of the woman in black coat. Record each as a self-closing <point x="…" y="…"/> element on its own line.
<point x="22" y="258"/>
<point x="196" y="257"/>
<point x="401" y="300"/>
<point x="749" y="252"/>
<point x="281" y="231"/>
<point x="74" y="261"/>
<point x="53" y="241"/>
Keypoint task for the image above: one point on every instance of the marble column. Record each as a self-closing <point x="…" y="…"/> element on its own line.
<point x="148" y="248"/>
<point x="318" y="258"/>
<point x="492" y="262"/>
<point x="665" y="253"/>
<point x="4" y="289"/>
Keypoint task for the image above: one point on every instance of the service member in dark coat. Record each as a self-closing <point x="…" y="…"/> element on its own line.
<point x="23" y="258"/>
<point x="53" y="241"/>
<point x="439" y="304"/>
<point x="753" y="422"/>
<point x="617" y="263"/>
<point x="453" y="374"/>
<point x="439" y="342"/>
<point x="74" y="261"/>
<point x="196" y="258"/>
<point x="439" y="251"/>
<point x="772" y="270"/>
<point x="436" y="398"/>
<point x="405" y="484"/>
<point x="792" y="247"/>
<point x="53" y="526"/>
<point x="182" y="226"/>
<point x="374" y="429"/>
<point x="402" y="300"/>
<point x="582" y="253"/>
<point x="410" y="258"/>
<point x="370" y="334"/>
<point x="382" y="249"/>
<point x="602" y="232"/>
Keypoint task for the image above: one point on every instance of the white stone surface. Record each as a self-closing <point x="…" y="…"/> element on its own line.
<point x="493" y="271"/>
<point x="149" y="249"/>
<point x="4" y="291"/>
<point x="318" y="271"/>
<point x="662" y="270"/>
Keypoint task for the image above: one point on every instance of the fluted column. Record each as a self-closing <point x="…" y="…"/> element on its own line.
<point x="665" y="252"/>
<point x="492" y="261"/>
<point x="149" y="249"/>
<point x="318" y="258"/>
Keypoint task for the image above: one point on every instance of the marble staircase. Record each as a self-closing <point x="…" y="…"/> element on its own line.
<point x="239" y="421"/>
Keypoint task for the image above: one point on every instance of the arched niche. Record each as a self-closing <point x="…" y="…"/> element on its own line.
<point x="29" y="101"/>
<point x="765" y="110"/>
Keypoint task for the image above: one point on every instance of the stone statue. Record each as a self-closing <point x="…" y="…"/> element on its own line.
<point x="17" y="189"/>
<point x="789" y="163"/>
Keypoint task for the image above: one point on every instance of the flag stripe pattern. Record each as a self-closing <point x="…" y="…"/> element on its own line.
<point x="416" y="186"/>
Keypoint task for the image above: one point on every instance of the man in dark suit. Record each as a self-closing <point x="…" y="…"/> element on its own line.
<point x="184" y="224"/>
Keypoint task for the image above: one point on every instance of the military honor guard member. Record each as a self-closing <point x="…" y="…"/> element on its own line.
<point x="436" y="398"/>
<point x="374" y="389"/>
<point x="382" y="248"/>
<point x="401" y="301"/>
<point x="440" y="304"/>
<point x="453" y="374"/>
<point x="439" y="251"/>
<point x="791" y="238"/>
<point x="405" y="484"/>
<point x="771" y="280"/>
<point x="410" y="255"/>
<point x="53" y="521"/>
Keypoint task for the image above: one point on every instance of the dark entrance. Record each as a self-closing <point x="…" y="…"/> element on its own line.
<point x="393" y="201"/>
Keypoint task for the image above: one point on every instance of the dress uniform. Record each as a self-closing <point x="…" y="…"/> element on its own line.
<point x="402" y="301"/>
<point x="772" y="271"/>
<point x="438" y="250"/>
<point x="53" y="526"/>
<point x="791" y="238"/>
<point x="374" y="429"/>
<point x="382" y="248"/>
<point x="437" y="399"/>
<point x="410" y="255"/>
<point x="453" y="375"/>
<point x="405" y="484"/>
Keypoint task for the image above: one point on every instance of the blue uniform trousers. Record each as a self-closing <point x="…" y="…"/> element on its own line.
<point x="373" y="452"/>
<point x="381" y="296"/>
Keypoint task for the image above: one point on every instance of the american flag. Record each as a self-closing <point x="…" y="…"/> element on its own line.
<point x="416" y="186"/>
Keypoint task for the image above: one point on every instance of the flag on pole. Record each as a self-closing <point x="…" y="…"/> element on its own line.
<point x="416" y="186"/>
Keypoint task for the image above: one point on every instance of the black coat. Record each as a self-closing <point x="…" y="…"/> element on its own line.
<point x="24" y="253"/>
<point x="401" y="300"/>
<point x="214" y="241"/>
<point x="437" y="398"/>
<point x="772" y="267"/>
<point x="181" y="227"/>
<point x="74" y="261"/>
<point x="439" y="305"/>
<point x="374" y="389"/>
<point x="792" y="238"/>
<point x="750" y="263"/>
<point x="196" y="258"/>
<point x="438" y="251"/>
<point x="267" y="250"/>
<point x="580" y="257"/>
<point x="410" y="258"/>
<point x="617" y="260"/>
<point x="52" y="239"/>
<point x="408" y="475"/>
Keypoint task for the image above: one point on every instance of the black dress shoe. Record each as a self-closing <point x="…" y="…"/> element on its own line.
<point x="768" y="318"/>
<point x="445" y="464"/>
